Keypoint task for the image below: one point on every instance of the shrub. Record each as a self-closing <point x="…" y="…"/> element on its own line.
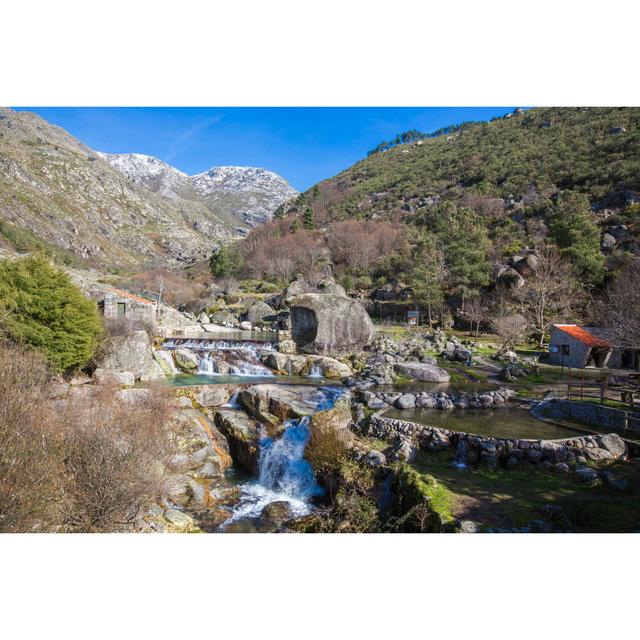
<point x="88" y="467"/>
<point x="115" y="454"/>
<point x="41" y="307"/>
<point x="31" y="455"/>
<point x="327" y="450"/>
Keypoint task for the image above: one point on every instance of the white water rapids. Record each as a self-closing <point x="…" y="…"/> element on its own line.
<point x="284" y="475"/>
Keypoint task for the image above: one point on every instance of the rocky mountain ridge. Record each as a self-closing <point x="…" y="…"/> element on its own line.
<point x="59" y="196"/>
<point x="250" y="194"/>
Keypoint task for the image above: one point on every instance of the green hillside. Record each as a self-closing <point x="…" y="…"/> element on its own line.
<point x="528" y="154"/>
<point x="467" y="213"/>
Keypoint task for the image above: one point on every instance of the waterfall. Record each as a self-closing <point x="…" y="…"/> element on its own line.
<point x="232" y="402"/>
<point x="207" y="365"/>
<point x="461" y="459"/>
<point x="315" y="371"/>
<point x="283" y="473"/>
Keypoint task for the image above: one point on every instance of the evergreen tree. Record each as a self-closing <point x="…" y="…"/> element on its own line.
<point x="576" y="233"/>
<point x="42" y="308"/>
<point x="426" y="276"/>
<point x="225" y="261"/>
<point x="466" y="246"/>
<point x="308" y="219"/>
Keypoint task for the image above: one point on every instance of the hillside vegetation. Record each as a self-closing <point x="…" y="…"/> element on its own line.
<point x="468" y="214"/>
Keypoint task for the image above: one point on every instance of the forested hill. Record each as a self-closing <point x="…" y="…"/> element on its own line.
<point x="466" y="210"/>
<point x="525" y="155"/>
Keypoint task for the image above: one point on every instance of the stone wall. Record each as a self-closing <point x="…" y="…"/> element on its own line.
<point x="561" y="455"/>
<point x="589" y="412"/>
<point x="135" y="308"/>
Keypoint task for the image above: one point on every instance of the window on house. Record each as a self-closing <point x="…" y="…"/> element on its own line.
<point x="121" y="309"/>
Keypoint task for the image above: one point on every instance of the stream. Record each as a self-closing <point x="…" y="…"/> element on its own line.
<point x="284" y="476"/>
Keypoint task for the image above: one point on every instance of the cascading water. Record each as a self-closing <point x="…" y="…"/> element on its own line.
<point x="315" y="371"/>
<point x="232" y="402"/>
<point x="224" y="356"/>
<point x="461" y="460"/>
<point x="284" y="475"/>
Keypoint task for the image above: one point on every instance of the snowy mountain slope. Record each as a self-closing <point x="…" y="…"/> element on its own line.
<point x="249" y="195"/>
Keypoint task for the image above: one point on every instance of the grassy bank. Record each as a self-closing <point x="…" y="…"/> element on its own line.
<point x="501" y="498"/>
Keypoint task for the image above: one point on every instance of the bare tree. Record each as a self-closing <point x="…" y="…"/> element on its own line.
<point x="621" y="311"/>
<point x="550" y="294"/>
<point x="475" y="311"/>
<point x="511" y="330"/>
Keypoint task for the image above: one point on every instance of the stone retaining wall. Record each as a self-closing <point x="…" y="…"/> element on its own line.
<point x="435" y="400"/>
<point x="558" y="454"/>
<point x="590" y="413"/>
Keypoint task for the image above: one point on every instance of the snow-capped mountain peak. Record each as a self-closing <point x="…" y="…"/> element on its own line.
<point x="250" y="194"/>
<point x="149" y="172"/>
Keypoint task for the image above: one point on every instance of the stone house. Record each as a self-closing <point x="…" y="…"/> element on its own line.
<point x="574" y="346"/>
<point x="122" y="304"/>
<point x="621" y="357"/>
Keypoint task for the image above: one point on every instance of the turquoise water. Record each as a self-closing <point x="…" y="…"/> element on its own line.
<point x="502" y="422"/>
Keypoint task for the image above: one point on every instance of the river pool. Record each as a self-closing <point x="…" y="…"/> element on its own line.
<point x="501" y="422"/>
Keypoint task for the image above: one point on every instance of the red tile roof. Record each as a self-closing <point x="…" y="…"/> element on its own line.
<point x="583" y="336"/>
<point x="125" y="294"/>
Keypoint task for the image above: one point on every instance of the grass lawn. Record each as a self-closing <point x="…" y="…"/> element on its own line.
<point x="501" y="498"/>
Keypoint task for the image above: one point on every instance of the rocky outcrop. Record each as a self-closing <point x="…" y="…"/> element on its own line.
<point x="165" y="361"/>
<point x="258" y="311"/>
<point x="153" y="372"/>
<point x="425" y="372"/>
<point x="243" y="435"/>
<point x="131" y="353"/>
<point x="329" y="324"/>
<point x="273" y="404"/>
<point x="337" y="418"/>
<point x="303" y="365"/>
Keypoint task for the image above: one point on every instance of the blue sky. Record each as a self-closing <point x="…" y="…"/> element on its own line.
<point x="303" y="144"/>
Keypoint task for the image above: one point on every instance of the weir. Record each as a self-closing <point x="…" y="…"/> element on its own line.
<point x="227" y="355"/>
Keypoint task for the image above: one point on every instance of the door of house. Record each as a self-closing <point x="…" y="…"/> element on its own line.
<point x="121" y="309"/>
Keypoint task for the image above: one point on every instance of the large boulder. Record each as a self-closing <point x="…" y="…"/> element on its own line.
<point x="614" y="444"/>
<point x="329" y="367"/>
<point x="132" y="353"/>
<point x="422" y="371"/>
<point x="165" y="361"/>
<point x="258" y="311"/>
<point x="273" y="403"/>
<point x="186" y="360"/>
<point x="214" y="395"/>
<point x="328" y="324"/>
<point x="119" y="378"/>
<point x="337" y="419"/>
<point x="153" y="372"/>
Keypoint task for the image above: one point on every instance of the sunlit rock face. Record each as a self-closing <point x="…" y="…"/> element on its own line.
<point x="328" y="324"/>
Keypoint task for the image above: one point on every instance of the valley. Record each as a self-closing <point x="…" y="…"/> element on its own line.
<point x="384" y="352"/>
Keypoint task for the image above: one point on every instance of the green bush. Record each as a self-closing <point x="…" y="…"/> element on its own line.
<point x="42" y="308"/>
